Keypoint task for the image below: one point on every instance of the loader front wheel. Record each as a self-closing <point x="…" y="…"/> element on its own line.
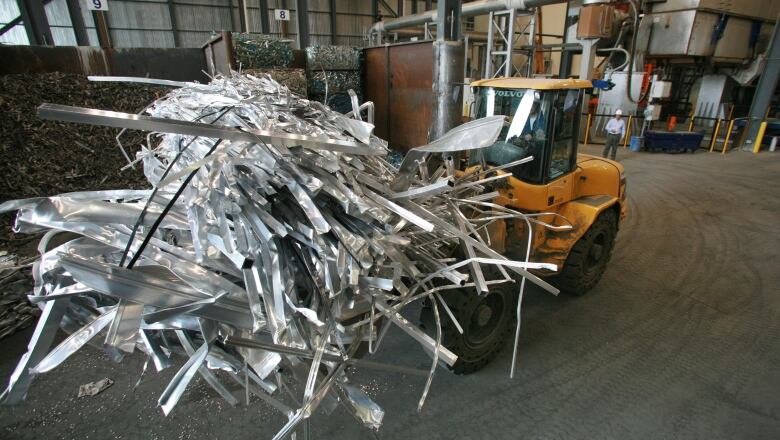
<point x="589" y="257"/>
<point x="487" y="322"/>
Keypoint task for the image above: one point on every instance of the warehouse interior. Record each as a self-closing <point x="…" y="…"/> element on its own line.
<point x="389" y="219"/>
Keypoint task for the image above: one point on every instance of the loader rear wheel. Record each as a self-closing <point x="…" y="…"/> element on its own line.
<point x="487" y="322"/>
<point x="589" y="257"/>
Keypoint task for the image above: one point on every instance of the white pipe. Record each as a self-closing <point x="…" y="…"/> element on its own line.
<point x="472" y="9"/>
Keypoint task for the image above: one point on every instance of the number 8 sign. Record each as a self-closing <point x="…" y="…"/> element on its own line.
<point x="282" y="14"/>
<point x="97" y="5"/>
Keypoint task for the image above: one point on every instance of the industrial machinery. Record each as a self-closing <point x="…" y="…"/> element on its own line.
<point x="561" y="186"/>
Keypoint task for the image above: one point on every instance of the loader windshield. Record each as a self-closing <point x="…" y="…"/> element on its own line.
<point x="525" y="132"/>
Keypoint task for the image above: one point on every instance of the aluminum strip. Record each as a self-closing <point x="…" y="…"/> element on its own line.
<point x="66" y="113"/>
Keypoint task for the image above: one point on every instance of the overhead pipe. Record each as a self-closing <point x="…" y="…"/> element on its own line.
<point x="471" y="9"/>
<point x="474" y="36"/>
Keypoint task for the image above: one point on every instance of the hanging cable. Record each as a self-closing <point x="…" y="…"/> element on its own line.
<point x="635" y="9"/>
<point x="167" y="208"/>
<point x="142" y="216"/>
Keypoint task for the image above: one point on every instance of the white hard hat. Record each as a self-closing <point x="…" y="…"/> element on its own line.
<point x="618" y="112"/>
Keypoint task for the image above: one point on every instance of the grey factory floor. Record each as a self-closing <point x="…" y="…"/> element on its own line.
<point x="680" y="340"/>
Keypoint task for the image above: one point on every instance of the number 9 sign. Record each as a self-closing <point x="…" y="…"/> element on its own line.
<point x="97" y="5"/>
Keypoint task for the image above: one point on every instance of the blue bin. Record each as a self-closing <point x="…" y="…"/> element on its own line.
<point x="673" y="141"/>
<point x="636" y="143"/>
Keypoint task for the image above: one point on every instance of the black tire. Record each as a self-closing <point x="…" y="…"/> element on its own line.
<point x="589" y="257"/>
<point x="487" y="323"/>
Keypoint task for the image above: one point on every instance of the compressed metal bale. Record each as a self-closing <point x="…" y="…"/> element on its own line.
<point x="294" y="79"/>
<point x="253" y="51"/>
<point x="337" y="81"/>
<point x="334" y="58"/>
<point x="340" y="102"/>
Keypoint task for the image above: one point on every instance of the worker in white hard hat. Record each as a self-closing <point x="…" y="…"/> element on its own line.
<point x="616" y="129"/>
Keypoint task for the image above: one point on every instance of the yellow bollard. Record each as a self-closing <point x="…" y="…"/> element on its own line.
<point x="587" y="129"/>
<point x="628" y="133"/>
<point x="759" y="138"/>
<point x="728" y="135"/>
<point x="690" y="126"/>
<point x="715" y="136"/>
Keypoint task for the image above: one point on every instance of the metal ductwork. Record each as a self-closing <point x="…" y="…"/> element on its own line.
<point x="468" y="10"/>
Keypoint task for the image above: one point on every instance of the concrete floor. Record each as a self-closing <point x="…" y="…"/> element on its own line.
<point x="681" y="339"/>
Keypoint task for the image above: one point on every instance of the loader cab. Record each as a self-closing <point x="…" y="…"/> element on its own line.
<point x="542" y="121"/>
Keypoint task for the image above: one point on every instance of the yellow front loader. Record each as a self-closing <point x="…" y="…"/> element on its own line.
<point x="589" y="192"/>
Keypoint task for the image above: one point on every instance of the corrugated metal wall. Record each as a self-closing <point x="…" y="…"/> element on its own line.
<point x="147" y="23"/>
<point x="8" y="11"/>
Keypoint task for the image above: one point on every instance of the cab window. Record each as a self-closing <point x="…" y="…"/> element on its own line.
<point x="525" y="133"/>
<point x="564" y="134"/>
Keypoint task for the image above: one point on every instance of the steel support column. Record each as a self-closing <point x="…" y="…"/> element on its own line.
<point x="490" y="46"/>
<point x="333" y="31"/>
<point x="509" y="67"/>
<point x="77" y="21"/>
<point x="283" y="23"/>
<point x="588" y="58"/>
<point x="234" y="27"/>
<point x="447" y="85"/>
<point x="243" y="24"/>
<point x="448" y="20"/>
<point x="767" y="85"/>
<point x="531" y="29"/>
<point x="302" y="13"/>
<point x="174" y="25"/>
<point x="564" y="70"/>
<point x="264" y="16"/>
<point x="501" y="41"/>
<point x="104" y="35"/>
<point x="35" y="23"/>
<point x="448" y="56"/>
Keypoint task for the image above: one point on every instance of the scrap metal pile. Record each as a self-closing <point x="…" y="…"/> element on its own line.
<point x="293" y="79"/>
<point x="332" y="72"/>
<point x="327" y="57"/>
<point x="276" y="242"/>
<point x="256" y="51"/>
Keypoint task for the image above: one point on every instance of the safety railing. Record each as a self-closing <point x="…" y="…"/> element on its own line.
<point x="594" y="125"/>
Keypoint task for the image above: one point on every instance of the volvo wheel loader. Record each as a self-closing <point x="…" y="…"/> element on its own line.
<point x="588" y="192"/>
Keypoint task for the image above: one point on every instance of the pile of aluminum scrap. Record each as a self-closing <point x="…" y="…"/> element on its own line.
<point x="293" y="79"/>
<point x="255" y="51"/>
<point x="334" y="58"/>
<point x="275" y="243"/>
